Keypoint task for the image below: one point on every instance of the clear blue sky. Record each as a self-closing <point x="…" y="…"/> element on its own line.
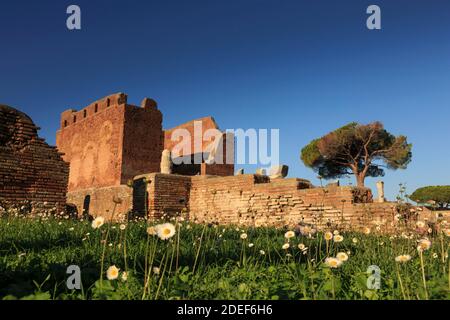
<point x="305" y="67"/>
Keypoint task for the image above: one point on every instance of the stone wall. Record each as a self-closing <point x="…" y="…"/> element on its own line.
<point x="384" y="214"/>
<point x="252" y="200"/>
<point x="103" y="201"/>
<point x="166" y="194"/>
<point x="255" y="200"/>
<point x="32" y="174"/>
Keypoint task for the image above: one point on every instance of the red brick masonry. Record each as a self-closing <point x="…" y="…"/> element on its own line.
<point x="32" y="174"/>
<point x="109" y="142"/>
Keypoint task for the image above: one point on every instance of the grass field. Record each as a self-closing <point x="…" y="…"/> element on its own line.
<point x="216" y="262"/>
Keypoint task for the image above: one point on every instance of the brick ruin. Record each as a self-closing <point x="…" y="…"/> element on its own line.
<point x="256" y="200"/>
<point x="110" y="142"/>
<point x="114" y="150"/>
<point x="207" y="123"/>
<point x="33" y="175"/>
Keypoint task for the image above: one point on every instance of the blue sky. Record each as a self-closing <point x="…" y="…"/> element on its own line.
<point x="305" y="67"/>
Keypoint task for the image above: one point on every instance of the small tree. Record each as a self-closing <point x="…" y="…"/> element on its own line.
<point x="362" y="150"/>
<point x="440" y="195"/>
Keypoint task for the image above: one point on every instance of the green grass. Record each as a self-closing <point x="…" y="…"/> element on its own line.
<point x="210" y="262"/>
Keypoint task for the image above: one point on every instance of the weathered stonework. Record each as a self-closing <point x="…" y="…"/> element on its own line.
<point x="33" y="175"/>
<point x="100" y="201"/>
<point x="256" y="200"/>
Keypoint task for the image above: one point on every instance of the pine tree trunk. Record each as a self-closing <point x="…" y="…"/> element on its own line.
<point x="360" y="177"/>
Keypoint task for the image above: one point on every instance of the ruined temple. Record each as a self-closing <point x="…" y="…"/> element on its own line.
<point x="33" y="175"/>
<point x="110" y="142"/>
<point x="115" y="159"/>
<point x="121" y="163"/>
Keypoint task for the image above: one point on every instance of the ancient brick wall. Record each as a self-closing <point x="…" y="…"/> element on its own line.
<point x="197" y="147"/>
<point x="142" y="140"/>
<point x="32" y="173"/>
<point x="101" y="202"/>
<point x="92" y="141"/>
<point x="383" y="216"/>
<point x="110" y="141"/>
<point x="223" y="164"/>
<point x="254" y="200"/>
<point x="251" y="200"/>
<point x="375" y="214"/>
<point x="217" y="169"/>
<point x="168" y="194"/>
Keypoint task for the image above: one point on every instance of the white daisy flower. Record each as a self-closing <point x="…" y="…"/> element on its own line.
<point x="98" y="222"/>
<point x="342" y="256"/>
<point x="333" y="262"/>
<point x="328" y="236"/>
<point x="165" y="231"/>
<point x="424" y="244"/>
<point x="403" y="258"/>
<point x="289" y="234"/>
<point x="112" y="273"/>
